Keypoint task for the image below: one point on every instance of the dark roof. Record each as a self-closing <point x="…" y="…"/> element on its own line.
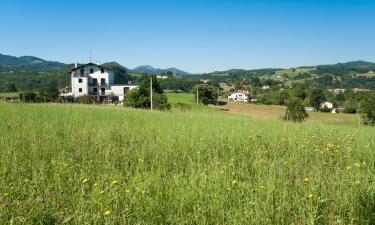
<point x="91" y="64"/>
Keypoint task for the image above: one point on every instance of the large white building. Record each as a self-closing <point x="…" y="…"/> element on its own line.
<point x="97" y="80"/>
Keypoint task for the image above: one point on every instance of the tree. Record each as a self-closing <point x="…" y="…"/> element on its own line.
<point x="10" y="88"/>
<point x="207" y="92"/>
<point x="140" y="98"/>
<point x="317" y="97"/>
<point x="367" y="110"/>
<point x="283" y="97"/>
<point x="49" y="92"/>
<point x="300" y="93"/>
<point x="295" y="110"/>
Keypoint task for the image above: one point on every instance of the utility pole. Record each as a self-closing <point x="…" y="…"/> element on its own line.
<point x="151" y="92"/>
<point x="197" y="94"/>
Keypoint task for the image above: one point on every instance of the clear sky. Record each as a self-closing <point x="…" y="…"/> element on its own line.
<point x="196" y="36"/>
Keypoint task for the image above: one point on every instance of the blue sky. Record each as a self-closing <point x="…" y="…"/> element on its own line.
<point x="196" y="36"/>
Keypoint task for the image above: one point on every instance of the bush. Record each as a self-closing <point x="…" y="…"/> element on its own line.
<point x="86" y="99"/>
<point x="160" y="102"/>
<point x="28" y="97"/>
<point x="295" y="111"/>
<point x="140" y="98"/>
<point x="326" y="110"/>
<point x="205" y="101"/>
<point x="183" y="107"/>
<point x="368" y="110"/>
<point x="350" y="109"/>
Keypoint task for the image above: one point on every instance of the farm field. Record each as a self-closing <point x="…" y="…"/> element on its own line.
<point x="82" y="164"/>
<point x="265" y="112"/>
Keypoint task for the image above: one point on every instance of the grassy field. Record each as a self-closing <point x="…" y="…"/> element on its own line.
<point x="78" y="164"/>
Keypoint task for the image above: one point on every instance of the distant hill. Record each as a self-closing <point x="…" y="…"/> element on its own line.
<point x="151" y="70"/>
<point x="114" y="65"/>
<point x="30" y="63"/>
<point x="340" y="68"/>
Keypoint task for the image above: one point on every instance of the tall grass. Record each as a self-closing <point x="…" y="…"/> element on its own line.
<point x="92" y="165"/>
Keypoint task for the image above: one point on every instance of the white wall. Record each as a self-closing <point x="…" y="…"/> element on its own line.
<point x="76" y="86"/>
<point x="118" y="90"/>
<point x="88" y="79"/>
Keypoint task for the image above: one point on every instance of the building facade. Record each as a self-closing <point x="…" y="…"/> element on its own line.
<point x="97" y="80"/>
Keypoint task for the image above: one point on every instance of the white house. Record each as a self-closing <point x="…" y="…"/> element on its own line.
<point x="97" y="80"/>
<point x="238" y="97"/>
<point x="327" y="105"/>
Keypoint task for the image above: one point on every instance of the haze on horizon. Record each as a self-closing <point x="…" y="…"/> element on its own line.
<point x="195" y="36"/>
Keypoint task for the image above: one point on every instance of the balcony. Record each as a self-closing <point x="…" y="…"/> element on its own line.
<point x="98" y="84"/>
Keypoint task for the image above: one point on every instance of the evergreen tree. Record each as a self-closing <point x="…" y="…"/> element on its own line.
<point x="295" y="111"/>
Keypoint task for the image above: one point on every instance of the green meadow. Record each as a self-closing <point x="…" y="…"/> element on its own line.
<point x="84" y="164"/>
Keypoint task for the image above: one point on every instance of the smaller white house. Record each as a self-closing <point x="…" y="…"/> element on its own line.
<point x="327" y="105"/>
<point x="238" y="97"/>
<point x="266" y="87"/>
<point x="162" y="77"/>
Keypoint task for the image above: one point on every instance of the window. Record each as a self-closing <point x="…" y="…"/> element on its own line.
<point x="95" y="82"/>
<point x="102" y="81"/>
<point x="126" y="90"/>
<point x="103" y="91"/>
<point x="95" y="90"/>
<point x="102" y="70"/>
<point x="79" y="80"/>
<point x="91" y="70"/>
<point x="82" y="71"/>
<point x="80" y="90"/>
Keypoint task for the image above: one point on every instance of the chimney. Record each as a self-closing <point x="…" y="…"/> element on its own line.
<point x="98" y="63"/>
<point x="75" y="65"/>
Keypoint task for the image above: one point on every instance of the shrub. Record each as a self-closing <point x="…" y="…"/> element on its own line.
<point x="368" y="110"/>
<point x="295" y="111"/>
<point x="350" y="109"/>
<point x="28" y="97"/>
<point x="86" y="99"/>
<point x="326" y="110"/>
<point x="205" y="101"/>
<point x="183" y="107"/>
<point x="140" y="98"/>
<point x="160" y="102"/>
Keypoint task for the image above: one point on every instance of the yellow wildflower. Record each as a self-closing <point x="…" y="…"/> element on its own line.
<point x="5" y="194"/>
<point x="234" y="182"/>
<point x="306" y="180"/>
<point x="95" y="184"/>
<point x="348" y="167"/>
<point x="358" y="165"/>
<point x="127" y="190"/>
<point x="114" y="182"/>
<point x="357" y="182"/>
<point x="101" y="192"/>
<point x="85" y="181"/>
<point x="107" y="213"/>
<point x="310" y="196"/>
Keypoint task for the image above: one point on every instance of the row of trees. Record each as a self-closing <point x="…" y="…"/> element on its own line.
<point x="47" y="93"/>
<point x="296" y="111"/>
